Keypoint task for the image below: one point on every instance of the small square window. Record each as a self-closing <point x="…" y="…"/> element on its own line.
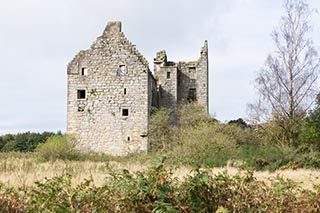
<point x="84" y="71"/>
<point x="122" y="70"/>
<point x="125" y="112"/>
<point x="80" y="108"/>
<point x="192" y="69"/>
<point x="168" y="75"/>
<point x="81" y="94"/>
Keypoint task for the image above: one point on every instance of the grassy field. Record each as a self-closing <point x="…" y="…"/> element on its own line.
<point x="29" y="184"/>
<point x="199" y="165"/>
<point x="22" y="170"/>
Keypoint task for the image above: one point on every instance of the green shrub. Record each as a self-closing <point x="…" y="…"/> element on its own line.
<point x="9" y="146"/>
<point x="155" y="190"/>
<point x="191" y="114"/>
<point x="205" y="145"/>
<point x="160" y="130"/>
<point x="59" y="195"/>
<point x="58" y="147"/>
<point x="264" y="157"/>
<point x="150" y="191"/>
<point x="11" y="200"/>
<point x="311" y="127"/>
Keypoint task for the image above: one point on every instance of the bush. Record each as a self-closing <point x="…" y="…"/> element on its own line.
<point x="199" y="140"/>
<point x="58" y="147"/>
<point x="311" y="128"/>
<point x="11" y="200"/>
<point x="160" y="133"/>
<point x="59" y="195"/>
<point x="204" y="146"/>
<point x="155" y="190"/>
<point x="166" y="126"/>
<point x="264" y="157"/>
<point x="191" y="114"/>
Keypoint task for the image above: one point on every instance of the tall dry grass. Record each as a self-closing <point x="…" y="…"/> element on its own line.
<point x="22" y="170"/>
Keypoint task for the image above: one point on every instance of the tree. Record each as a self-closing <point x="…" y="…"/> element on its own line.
<point x="311" y="128"/>
<point x="287" y="82"/>
<point x="23" y="142"/>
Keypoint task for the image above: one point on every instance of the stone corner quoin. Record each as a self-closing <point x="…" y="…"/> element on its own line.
<point x="111" y="91"/>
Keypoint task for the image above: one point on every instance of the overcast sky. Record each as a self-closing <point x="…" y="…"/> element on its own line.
<point x="39" y="37"/>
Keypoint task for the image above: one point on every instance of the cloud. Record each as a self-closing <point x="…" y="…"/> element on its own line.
<point x="39" y="37"/>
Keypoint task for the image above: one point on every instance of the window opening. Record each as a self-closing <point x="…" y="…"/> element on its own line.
<point x="192" y="96"/>
<point x="192" y="72"/>
<point x="128" y="139"/>
<point x="192" y="69"/>
<point x="168" y="75"/>
<point x="81" y="94"/>
<point x="80" y="108"/>
<point x="125" y="112"/>
<point x="122" y="70"/>
<point x="84" y="71"/>
<point x="125" y="91"/>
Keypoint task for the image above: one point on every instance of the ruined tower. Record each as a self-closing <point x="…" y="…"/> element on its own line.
<point x="111" y="91"/>
<point x="181" y="82"/>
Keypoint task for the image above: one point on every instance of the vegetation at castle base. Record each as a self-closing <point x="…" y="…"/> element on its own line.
<point x="46" y="146"/>
<point x="58" y="147"/>
<point x="193" y="139"/>
<point x="285" y="134"/>
<point x="156" y="190"/>
<point x="198" y="140"/>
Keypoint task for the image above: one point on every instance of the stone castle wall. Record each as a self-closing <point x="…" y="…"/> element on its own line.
<point x="113" y="115"/>
<point x="182" y="82"/>
<point x="166" y="75"/>
<point x="111" y="91"/>
<point x="202" y="78"/>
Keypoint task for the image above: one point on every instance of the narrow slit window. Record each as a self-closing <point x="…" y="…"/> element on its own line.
<point x="168" y="75"/>
<point x="125" y="112"/>
<point x="81" y="94"/>
<point x="84" y="71"/>
<point x="128" y="139"/>
<point x="125" y="91"/>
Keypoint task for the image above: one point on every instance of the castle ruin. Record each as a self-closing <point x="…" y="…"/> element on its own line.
<point x="111" y="91"/>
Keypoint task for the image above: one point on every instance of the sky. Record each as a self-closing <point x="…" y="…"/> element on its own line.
<point x="39" y="37"/>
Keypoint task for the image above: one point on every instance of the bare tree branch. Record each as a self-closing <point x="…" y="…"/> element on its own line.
<point x="287" y="82"/>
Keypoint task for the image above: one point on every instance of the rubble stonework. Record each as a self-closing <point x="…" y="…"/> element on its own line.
<point x="111" y="91"/>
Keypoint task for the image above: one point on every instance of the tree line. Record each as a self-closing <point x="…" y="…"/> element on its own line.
<point x="23" y="142"/>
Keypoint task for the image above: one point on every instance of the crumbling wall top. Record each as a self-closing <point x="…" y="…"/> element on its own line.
<point x="204" y="49"/>
<point x="161" y="57"/>
<point x="112" y="27"/>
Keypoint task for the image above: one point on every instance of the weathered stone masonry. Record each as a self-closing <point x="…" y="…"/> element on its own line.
<point x="111" y="91"/>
